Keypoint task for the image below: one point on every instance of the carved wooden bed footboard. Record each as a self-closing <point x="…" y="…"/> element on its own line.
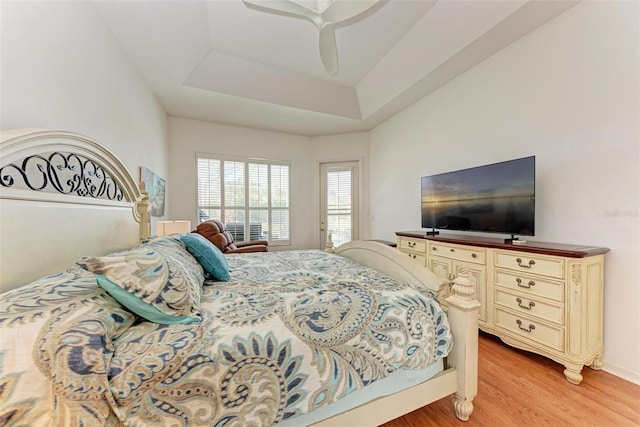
<point x="460" y="377"/>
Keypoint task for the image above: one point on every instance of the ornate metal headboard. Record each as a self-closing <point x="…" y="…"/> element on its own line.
<point x="62" y="196"/>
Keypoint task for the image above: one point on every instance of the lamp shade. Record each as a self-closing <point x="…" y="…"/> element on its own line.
<point x="164" y="228"/>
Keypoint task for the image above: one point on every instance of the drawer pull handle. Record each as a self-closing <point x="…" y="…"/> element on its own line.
<point x="433" y="248"/>
<point x="411" y="244"/>
<point x="531" y="327"/>
<point x="529" y="284"/>
<point x="474" y="256"/>
<point x="526" y="307"/>
<point x="412" y="256"/>
<point x="520" y="264"/>
<point x="452" y="250"/>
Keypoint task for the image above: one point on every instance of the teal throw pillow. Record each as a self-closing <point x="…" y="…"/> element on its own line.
<point x="208" y="255"/>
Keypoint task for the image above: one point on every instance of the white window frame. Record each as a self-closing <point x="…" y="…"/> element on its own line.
<point x="247" y="208"/>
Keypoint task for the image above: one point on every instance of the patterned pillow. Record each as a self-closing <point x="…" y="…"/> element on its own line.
<point x="171" y="247"/>
<point x="157" y="286"/>
<point x="208" y="255"/>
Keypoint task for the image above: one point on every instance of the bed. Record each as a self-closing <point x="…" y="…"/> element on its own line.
<point x="347" y="336"/>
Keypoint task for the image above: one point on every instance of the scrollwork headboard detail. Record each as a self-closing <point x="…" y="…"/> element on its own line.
<point x="65" y="173"/>
<point x="60" y="178"/>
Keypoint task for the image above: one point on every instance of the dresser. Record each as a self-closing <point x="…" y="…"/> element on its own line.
<point x="546" y="298"/>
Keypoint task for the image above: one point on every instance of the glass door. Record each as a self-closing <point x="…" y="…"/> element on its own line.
<point x="339" y="202"/>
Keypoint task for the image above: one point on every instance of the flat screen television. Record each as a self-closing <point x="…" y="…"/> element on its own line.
<point x="495" y="198"/>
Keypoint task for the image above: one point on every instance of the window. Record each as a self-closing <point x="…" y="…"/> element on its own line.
<point x="250" y="196"/>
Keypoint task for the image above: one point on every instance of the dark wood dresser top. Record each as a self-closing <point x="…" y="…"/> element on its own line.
<point x="545" y="248"/>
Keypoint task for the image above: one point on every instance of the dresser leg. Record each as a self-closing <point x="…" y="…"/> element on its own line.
<point x="596" y="365"/>
<point x="572" y="373"/>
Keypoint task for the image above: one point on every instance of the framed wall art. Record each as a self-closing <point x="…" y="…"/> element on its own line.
<point x="156" y="189"/>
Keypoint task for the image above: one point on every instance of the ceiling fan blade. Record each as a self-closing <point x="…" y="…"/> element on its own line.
<point x="283" y="7"/>
<point x="339" y="11"/>
<point x="329" y="49"/>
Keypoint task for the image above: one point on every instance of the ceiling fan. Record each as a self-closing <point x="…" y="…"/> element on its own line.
<point x="325" y="16"/>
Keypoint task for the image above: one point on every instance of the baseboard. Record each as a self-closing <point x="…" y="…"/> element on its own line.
<point x="619" y="371"/>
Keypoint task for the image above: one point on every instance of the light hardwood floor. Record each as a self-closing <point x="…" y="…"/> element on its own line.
<point x="517" y="388"/>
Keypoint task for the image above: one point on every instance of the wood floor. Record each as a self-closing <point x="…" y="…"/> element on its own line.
<point x="517" y="388"/>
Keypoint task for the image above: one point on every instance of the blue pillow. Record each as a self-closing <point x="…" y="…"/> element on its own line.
<point x="208" y="255"/>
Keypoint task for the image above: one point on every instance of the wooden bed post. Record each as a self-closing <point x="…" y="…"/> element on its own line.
<point x="329" y="245"/>
<point x="143" y="213"/>
<point x="463" y="319"/>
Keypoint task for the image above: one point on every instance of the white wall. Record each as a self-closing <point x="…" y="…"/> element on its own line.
<point x="567" y="93"/>
<point x="63" y="69"/>
<point x="188" y="137"/>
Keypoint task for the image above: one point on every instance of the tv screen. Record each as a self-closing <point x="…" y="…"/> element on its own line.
<point x="495" y="198"/>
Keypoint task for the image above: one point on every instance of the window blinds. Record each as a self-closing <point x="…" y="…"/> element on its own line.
<point x="339" y="209"/>
<point x="246" y="195"/>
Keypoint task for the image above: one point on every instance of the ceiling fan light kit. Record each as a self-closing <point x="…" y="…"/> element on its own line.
<point x="324" y="16"/>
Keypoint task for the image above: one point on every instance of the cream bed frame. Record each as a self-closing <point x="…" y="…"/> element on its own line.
<point x="63" y="196"/>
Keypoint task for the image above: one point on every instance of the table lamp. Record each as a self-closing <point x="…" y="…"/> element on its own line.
<point x="164" y="228"/>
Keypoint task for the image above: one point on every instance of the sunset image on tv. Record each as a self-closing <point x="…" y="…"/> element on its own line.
<point x="497" y="198"/>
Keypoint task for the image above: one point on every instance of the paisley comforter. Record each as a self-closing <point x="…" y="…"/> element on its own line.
<point x="290" y="332"/>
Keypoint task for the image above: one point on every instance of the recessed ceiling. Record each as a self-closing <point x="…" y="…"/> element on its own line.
<point x="224" y="62"/>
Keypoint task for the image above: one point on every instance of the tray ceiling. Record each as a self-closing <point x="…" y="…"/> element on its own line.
<point x="222" y="61"/>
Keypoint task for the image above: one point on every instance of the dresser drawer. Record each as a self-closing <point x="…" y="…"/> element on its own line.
<point x="530" y="329"/>
<point x="460" y="253"/>
<point x="532" y="307"/>
<point x="533" y="264"/>
<point x="420" y="259"/>
<point x="414" y="245"/>
<point x="530" y="285"/>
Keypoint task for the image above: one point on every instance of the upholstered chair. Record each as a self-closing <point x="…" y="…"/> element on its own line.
<point x="216" y="232"/>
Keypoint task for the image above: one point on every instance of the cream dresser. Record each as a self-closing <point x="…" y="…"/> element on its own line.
<point x="546" y="298"/>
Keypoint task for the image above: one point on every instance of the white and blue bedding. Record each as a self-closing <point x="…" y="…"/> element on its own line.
<point x="289" y="333"/>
